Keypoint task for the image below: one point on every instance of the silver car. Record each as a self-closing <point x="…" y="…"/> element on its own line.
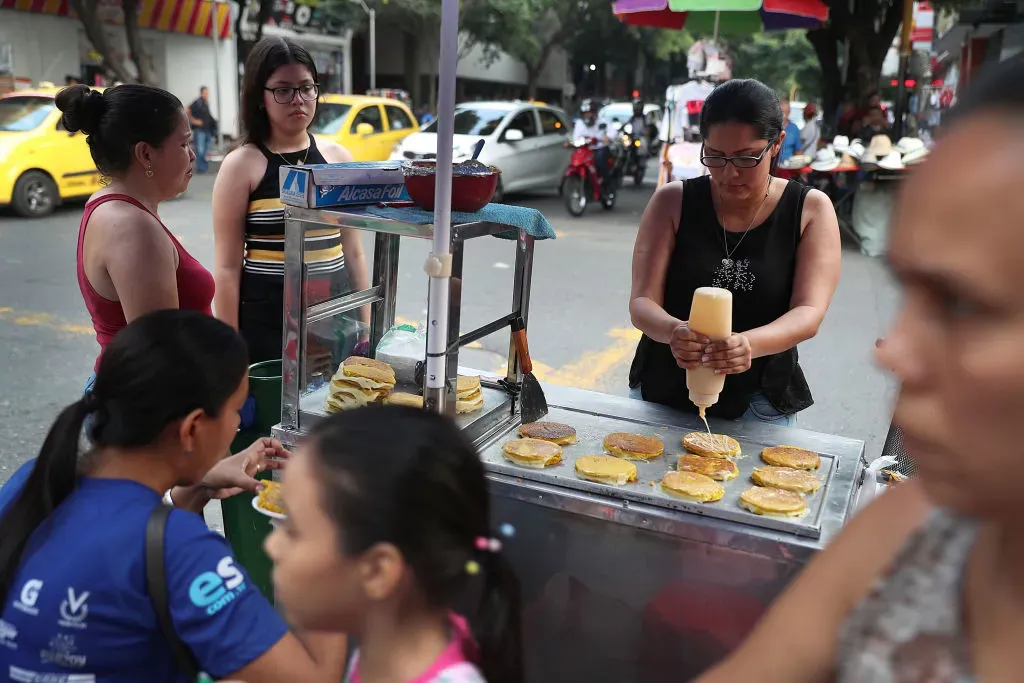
<point x="526" y="141"/>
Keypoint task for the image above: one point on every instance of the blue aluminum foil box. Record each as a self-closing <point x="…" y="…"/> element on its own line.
<point x="347" y="184"/>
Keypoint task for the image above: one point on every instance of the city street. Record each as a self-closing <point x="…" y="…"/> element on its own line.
<point x="580" y="332"/>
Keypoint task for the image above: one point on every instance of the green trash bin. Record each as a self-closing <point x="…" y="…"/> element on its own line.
<point x="246" y="529"/>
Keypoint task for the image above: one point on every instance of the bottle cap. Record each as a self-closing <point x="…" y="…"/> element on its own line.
<point x="703" y="400"/>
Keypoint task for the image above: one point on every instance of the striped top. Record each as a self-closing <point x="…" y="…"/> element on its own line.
<point x="264" y="223"/>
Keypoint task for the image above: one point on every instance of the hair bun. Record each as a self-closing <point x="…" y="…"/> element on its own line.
<point x="83" y="108"/>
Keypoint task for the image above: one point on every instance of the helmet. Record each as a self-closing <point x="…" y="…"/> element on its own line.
<point x="638" y="106"/>
<point x="587" y="108"/>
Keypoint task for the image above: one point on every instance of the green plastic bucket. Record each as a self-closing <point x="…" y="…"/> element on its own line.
<point x="246" y="529"/>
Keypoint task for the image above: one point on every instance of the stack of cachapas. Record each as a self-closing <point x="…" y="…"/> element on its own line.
<point x="358" y="382"/>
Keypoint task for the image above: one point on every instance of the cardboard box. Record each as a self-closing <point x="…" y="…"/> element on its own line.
<point x="349" y="184"/>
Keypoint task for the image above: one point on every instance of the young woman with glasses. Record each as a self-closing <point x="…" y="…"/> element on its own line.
<point x="773" y="243"/>
<point x="279" y="98"/>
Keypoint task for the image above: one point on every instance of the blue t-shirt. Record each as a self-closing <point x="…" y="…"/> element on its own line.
<point x="79" y="605"/>
<point x="791" y="145"/>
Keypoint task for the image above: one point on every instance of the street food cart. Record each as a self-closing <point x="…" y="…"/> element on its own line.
<point x="619" y="583"/>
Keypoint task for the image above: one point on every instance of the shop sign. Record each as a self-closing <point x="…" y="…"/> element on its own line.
<point x="923" y="27"/>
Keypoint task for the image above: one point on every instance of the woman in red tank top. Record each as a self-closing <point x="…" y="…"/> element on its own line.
<point x="129" y="263"/>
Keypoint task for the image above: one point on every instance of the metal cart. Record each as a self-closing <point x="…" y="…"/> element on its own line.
<point x="620" y="584"/>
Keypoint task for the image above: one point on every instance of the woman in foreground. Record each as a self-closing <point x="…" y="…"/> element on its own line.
<point x="925" y="585"/>
<point x="72" y="541"/>
<point x="389" y="532"/>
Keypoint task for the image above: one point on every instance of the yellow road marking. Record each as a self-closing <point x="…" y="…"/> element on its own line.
<point x="30" y="319"/>
<point x="592" y="366"/>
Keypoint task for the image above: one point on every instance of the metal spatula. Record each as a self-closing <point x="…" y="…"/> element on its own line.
<point x="533" y="404"/>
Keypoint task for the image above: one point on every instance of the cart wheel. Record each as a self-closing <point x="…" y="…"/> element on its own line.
<point x="575" y="196"/>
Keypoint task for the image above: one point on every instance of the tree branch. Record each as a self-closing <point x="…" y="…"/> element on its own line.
<point x="98" y="39"/>
<point x="130" y="10"/>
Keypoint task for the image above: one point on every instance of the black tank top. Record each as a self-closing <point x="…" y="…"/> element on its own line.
<point x="760" y="276"/>
<point x="264" y="223"/>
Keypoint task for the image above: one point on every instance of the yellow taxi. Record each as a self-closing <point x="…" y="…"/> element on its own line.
<point x="368" y="127"/>
<point x="41" y="163"/>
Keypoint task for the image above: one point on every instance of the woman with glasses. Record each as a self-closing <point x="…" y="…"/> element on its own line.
<point x="773" y="243"/>
<point x="279" y="98"/>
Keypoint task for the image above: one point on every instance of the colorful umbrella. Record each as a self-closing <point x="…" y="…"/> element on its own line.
<point x="723" y="16"/>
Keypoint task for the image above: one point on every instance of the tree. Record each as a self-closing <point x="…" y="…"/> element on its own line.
<point x="533" y="29"/>
<point x="419" y="23"/>
<point x="784" y="61"/>
<point x="92" y="23"/>
<point x="130" y="10"/>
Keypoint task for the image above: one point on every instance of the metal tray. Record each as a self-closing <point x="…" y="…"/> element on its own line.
<point x="496" y="400"/>
<point x="591" y="428"/>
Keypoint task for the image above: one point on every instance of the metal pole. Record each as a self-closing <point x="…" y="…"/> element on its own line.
<point x="440" y="279"/>
<point x="373" y="49"/>
<point x="905" y="51"/>
<point x="216" y="68"/>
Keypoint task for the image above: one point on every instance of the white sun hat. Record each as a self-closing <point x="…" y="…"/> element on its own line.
<point x="825" y="160"/>
<point x="893" y="161"/>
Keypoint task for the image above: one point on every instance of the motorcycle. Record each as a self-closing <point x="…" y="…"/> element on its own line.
<point x="636" y="156"/>
<point x="582" y="182"/>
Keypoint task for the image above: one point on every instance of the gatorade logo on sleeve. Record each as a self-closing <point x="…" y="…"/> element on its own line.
<point x="213" y="591"/>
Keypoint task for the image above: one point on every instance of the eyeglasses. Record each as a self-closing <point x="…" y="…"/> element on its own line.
<point x="738" y="162"/>
<point x="287" y="95"/>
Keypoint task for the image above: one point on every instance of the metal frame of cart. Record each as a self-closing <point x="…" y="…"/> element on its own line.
<point x="500" y="401"/>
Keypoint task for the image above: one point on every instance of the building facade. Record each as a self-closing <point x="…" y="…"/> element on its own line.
<point x="46" y="43"/>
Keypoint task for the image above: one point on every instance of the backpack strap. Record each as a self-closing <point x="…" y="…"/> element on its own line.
<point x="156" y="582"/>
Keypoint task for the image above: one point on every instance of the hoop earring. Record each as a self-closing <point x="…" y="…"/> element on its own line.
<point x="149" y="172"/>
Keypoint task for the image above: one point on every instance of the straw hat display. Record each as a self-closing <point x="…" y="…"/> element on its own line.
<point x="847" y="163"/>
<point x="893" y="161"/>
<point x="880" y="147"/>
<point x="908" y="145"/>
<point x="795" y="162"/>
<point x="916" y="156"/>
<point x="841" y="144"/>
<point x="856" y="149"/>
<point x="825" y="160"/>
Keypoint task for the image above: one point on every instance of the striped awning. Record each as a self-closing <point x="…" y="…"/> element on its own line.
<point x="194" y="17"/>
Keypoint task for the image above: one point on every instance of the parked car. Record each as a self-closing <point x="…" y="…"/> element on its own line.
<point x="41" y="163"/>
<point x="369" y="127"/>
<point x="526" y="141"/>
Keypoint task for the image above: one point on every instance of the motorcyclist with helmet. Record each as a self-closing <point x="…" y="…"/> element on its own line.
<point x="588" y="127"/>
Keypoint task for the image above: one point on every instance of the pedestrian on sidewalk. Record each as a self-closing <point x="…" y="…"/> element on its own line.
<point x="279" y="99"/>
<point x="773" y="243"/>
<point x="204" y="127"/>
<point x="76" y="601"/>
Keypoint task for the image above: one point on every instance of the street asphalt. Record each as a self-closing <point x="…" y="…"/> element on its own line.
<point x="580" y="333"/>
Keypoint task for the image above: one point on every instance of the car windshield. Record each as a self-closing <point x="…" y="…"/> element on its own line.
<point x="20" y="114"/>
<point x="473" y="120"/>
<point x="329" y="117"/>
<point x="622" y="111"/>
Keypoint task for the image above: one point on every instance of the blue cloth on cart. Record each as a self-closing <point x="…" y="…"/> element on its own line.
<point x="523" y="218"/>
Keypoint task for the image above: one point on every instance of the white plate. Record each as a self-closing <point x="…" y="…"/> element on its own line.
<point x="264" y="511"/>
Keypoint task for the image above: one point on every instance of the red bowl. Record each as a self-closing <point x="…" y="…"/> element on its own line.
<point x="470" y="192"/>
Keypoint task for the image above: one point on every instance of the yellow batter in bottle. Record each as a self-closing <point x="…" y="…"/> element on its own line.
<point x="710" y="315"/>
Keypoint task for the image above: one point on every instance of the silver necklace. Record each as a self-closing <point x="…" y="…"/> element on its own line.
<point x="730" y="274"/>
<point x="728" y="261"/>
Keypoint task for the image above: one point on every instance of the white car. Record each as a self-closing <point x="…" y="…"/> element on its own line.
<point x="526" y="141"/>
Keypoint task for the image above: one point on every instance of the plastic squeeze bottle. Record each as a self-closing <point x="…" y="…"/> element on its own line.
<point x="710" y="315"/>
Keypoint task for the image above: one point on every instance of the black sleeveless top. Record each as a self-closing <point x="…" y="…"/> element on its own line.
<point x="760" y="276"/>
<point x="261" y="292"/>
<point x="264" y="222"/>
